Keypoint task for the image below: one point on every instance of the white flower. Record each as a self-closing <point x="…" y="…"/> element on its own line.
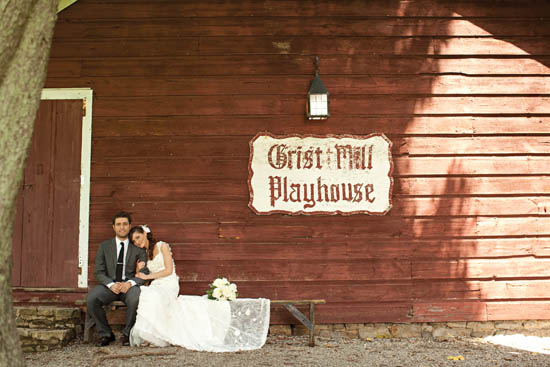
<point x="217" y="293"/>
<point x="227" y="292"/>
<point x="220" y="282"/>
<point x="233" y="287"/>
<point x="145" y="229"/>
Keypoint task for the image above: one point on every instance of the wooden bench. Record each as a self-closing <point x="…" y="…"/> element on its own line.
<point x="290" y="305"/>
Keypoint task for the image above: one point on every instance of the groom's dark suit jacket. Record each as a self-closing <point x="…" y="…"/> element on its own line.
<point x="106" y="258"/>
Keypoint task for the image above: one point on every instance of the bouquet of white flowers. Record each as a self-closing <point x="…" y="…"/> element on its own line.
<point x="221" y="290"/>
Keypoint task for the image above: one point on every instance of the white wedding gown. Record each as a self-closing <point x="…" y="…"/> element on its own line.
<point x="195" y="322"/>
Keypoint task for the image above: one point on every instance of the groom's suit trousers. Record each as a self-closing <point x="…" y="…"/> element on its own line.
<point x="101" y="295"/>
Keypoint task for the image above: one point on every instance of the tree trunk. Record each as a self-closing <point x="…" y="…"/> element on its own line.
<point x="25" y="40"/>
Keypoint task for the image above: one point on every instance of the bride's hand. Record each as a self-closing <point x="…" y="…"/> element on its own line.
<point x="140" y="265"/>
<point x="142" y="276"/>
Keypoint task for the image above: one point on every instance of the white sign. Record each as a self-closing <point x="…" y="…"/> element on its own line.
<point x="320" y="174"/>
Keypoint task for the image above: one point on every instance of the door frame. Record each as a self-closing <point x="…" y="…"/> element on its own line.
<point x="86" y="95"/>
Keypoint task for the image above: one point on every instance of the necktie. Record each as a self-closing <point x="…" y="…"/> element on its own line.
<point x="120" y="263"/>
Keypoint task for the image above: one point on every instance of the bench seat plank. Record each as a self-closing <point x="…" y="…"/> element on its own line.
<point x="299" y="302"/>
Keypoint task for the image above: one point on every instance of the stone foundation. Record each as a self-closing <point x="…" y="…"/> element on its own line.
<point x="40" y="340"/>
<point x="44" y="328"/>
<point x="435" y="330"/>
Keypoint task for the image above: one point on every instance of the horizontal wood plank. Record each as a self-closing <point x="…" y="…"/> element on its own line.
<point x="475" y="248"/>
<point x="471" y="145"/>
<point x="284" y="84"/>
<point x="123" y="189"/>
<point x="298" y="45"/>
<point x="436" y="186"/>
<point x="217" y="209"/>
<point x="298" y="228"/>
<point x="346" y="249"/>
<point x="239" y="146"/>
<point x="350" y="227"/>
<point x="448" y="8"/>
<point x="519" y="310"/>
<point x="294" y="105"/>
<point x="484" y="206"/>
<point x="448" y="311"/>
<point x="368" y="45"/>
<point x="481" y="268"/>
<point x="492" y="290"/>
<point x="358" y="125"/>
<point x="231" y="169"/>
<point x="125" y="48"/>
<point x="429" y="166"/>
<point x="234" y="169"/>
<point x="293" y="65"/>
<point x="168" y="190"/>
<point x="293" y="26"/>
<point x="360" y="291"/>
<point x="517" y="105"/>
<point x="65" y="69"/>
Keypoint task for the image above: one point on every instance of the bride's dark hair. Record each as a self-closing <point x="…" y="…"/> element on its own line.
<point x="150" y="237"/>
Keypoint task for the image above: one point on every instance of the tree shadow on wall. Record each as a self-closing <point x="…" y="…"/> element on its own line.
<point x="449" y="252"/>
<point x="436" y="227"/>
<point x="435" y="220"/>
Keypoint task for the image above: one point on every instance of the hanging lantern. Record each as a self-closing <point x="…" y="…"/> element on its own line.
<point x="317" y="97"/>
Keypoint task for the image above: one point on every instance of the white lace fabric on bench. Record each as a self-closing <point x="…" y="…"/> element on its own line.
<point x="195" y="322"/>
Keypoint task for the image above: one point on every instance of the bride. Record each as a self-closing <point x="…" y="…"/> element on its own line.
<point x="193" y="322"/>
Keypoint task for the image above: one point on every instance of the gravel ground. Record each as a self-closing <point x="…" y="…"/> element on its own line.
<point x="293" y="351"/>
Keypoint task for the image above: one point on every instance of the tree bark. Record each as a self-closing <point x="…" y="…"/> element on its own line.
<point x="25" y="40"/>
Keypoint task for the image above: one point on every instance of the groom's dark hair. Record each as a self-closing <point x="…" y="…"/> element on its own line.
<point x="122" y="215"/>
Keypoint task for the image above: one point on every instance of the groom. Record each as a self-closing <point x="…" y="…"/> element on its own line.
<point x="115" y="270"/>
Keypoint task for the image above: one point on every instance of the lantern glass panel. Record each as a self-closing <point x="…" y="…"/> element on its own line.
<point x="318" y="105"/>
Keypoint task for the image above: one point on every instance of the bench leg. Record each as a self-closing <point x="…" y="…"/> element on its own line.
<point x="312" y="320"/>
<point x="88" y="324"/>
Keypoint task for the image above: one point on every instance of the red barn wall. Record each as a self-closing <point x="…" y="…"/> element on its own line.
<point x="460" y="87"/>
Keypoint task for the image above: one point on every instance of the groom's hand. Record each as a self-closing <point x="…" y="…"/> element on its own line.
<point x="115" y="288"/>
<point x="124" y="287"/>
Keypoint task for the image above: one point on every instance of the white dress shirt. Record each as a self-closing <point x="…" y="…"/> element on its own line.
<point x="126" y="243"/>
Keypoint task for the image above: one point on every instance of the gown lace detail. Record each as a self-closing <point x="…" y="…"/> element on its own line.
<point x="195" y="322"/>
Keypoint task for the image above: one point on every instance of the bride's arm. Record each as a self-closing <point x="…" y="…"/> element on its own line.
<point x="168" y="265"/>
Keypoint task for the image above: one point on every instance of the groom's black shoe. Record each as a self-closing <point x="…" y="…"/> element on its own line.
<point x="106" y="340"/>
<point x="125" y="340"/>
